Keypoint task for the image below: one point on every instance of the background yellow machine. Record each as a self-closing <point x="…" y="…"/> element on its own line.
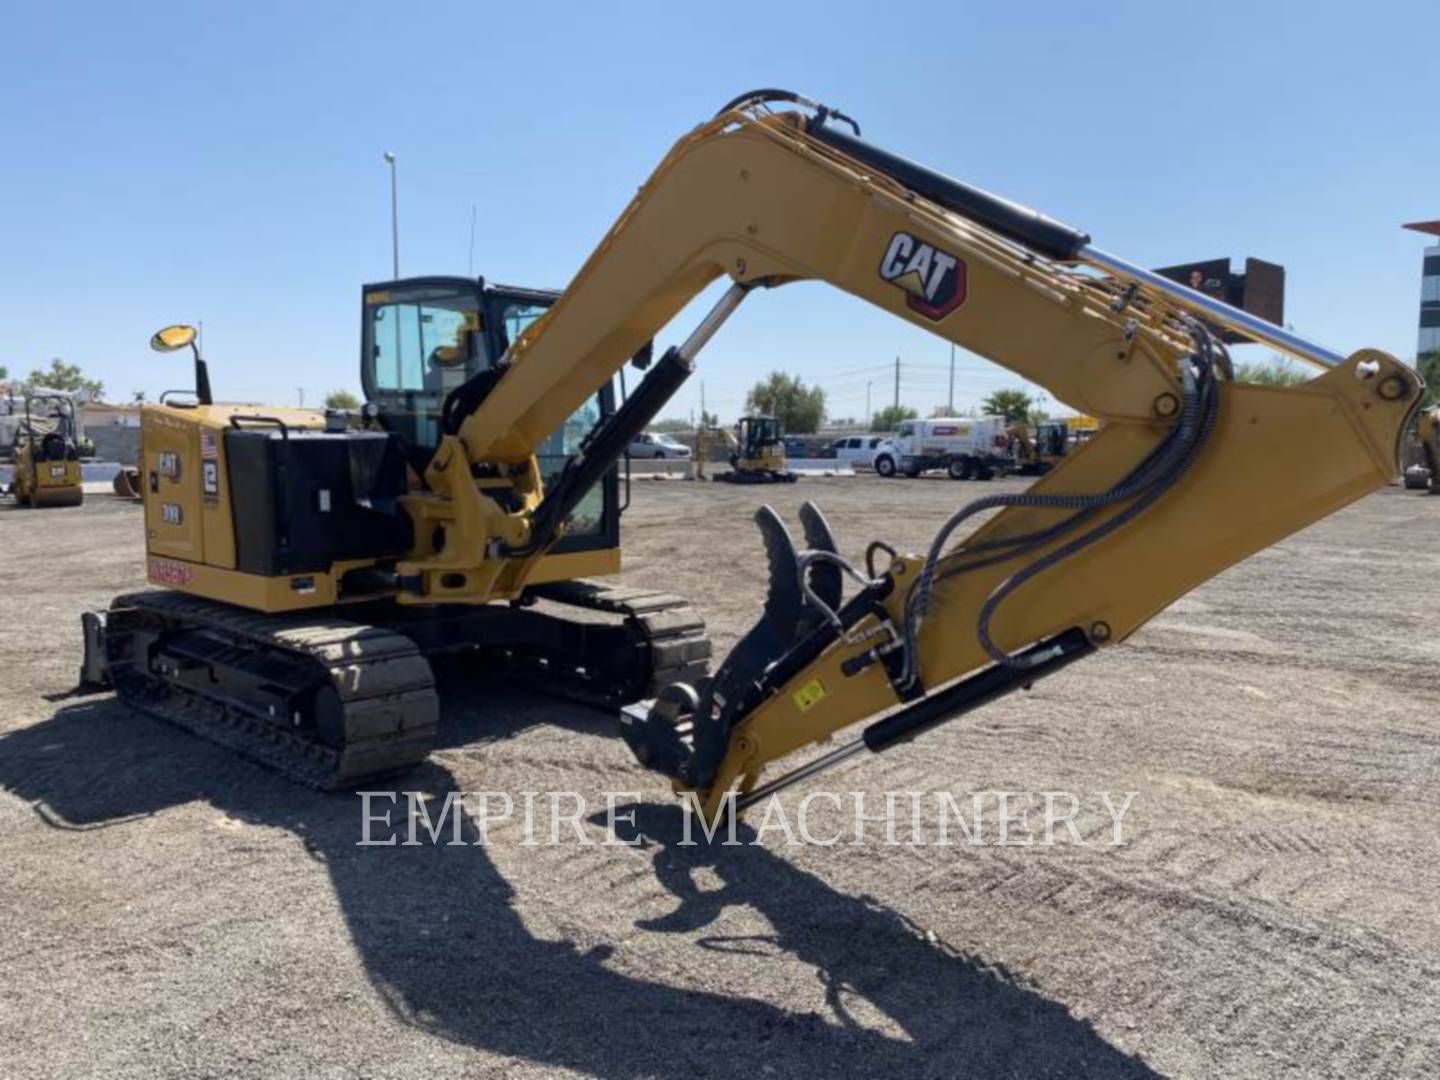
<point x="759" y="455"/>
<point x="47" y="454"/>
<point x="1421" y="458"/>
<point x="309" y="570"/>
<point x="1039" y="448"/>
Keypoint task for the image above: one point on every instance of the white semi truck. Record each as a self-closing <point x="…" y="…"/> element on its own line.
<point x="964" y="447"/>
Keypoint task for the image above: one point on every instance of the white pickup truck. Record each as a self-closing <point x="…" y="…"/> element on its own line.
<point x="965" y="448"/>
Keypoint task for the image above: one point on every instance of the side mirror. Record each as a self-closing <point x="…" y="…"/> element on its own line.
<point x="178" y="337"/>
<point x="172" y="338"/>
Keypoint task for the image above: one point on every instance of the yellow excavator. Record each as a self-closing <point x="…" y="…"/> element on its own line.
<point x="305" y="571"/>
<point x="759" y="455"/>
<point x="47" y="452"/>
<point x="1422" y="453"/>
<point x="1039" y="449"/>
<point x="1036" y="450"/>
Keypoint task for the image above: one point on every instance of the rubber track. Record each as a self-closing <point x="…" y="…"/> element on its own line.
<point x="384" y="683"/>
<point x="679" y="647"/>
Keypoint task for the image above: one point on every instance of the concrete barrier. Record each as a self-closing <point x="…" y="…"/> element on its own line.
<point x="820" y="467"/>
<point x="685" y="467"/>
<point x="668" y="467"/>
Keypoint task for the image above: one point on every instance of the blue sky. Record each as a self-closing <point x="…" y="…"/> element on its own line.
<point x="217" y="162"/>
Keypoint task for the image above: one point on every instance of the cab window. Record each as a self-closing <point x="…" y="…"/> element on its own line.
<point x="513" y="319"/>
<point x="420" y="347"/>
<point x="555" y="450"/>
<point x="419" y="343"/>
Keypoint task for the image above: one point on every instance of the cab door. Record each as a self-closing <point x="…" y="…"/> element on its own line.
<point x="422" y="339"/>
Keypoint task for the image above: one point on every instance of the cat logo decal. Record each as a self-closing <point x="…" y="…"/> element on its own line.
<point x="933" y="280"/>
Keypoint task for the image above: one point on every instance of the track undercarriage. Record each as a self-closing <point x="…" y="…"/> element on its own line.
<point x="337" y="697"/>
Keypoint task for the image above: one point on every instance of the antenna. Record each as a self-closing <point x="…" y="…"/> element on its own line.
<point x="471" y="270"/>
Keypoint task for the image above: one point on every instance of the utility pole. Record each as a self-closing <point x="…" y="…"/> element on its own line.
<point x="897" y="384"/>
<point x="300" y="393"/>
<point x="700" y="430"/>
<point x="394" y="218"/>
<point x="950" y="407"/>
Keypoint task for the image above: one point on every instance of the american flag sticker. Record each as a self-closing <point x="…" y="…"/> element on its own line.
<point x="207" y="443"/>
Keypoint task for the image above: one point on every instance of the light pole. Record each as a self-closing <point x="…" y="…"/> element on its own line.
<point x="394" y="217"/>
<point x="951" y="404"/>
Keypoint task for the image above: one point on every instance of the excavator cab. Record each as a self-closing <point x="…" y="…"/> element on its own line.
<point x="760" y="454"/>
<point x="1052" y="439"/>
<point x="1036" y="451"/>
<point x="425" y="339"/>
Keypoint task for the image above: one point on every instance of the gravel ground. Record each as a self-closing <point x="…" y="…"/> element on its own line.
<point x="167" y="910"/>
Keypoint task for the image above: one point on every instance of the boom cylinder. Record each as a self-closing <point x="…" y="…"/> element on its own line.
<point x="1222" y="313"/>
<point x="609" y="441"/>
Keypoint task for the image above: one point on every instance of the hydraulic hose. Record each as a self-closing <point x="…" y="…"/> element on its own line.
<point x="1150" y="479"/>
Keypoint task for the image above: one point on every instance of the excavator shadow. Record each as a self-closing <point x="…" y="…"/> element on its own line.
<point x="441" y="936"/>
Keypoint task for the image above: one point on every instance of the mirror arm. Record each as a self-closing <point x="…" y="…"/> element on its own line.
<point x="202" y="379"/>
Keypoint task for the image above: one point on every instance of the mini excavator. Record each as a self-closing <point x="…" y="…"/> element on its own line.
<point x="759" y="455"/>
<point x="1039" y="449"/>
<point x="306" y="570"/>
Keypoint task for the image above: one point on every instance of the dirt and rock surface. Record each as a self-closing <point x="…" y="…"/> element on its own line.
<point x="167" y="910"/>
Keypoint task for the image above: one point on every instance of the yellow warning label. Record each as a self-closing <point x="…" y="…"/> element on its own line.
<point x="809" y="695"/>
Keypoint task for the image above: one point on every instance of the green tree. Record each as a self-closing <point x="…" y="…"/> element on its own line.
<point x="341" y="399"/>
<point x="4" y="373"/>
<point x="670" y="425"/>
<point x="67" y="377"/>
<point x="1013" y="405"/>
<point x="1282" y="372"/>
<point x="799" y="408"/>
<point x="891" y="416"/>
